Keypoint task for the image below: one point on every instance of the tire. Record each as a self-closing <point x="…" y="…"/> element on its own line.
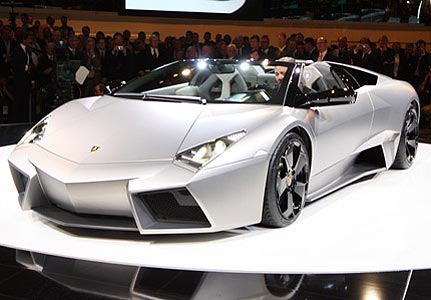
<point x="287" y="182"/>
<point x="281" y="285"/>
<point x="408" y="145"/>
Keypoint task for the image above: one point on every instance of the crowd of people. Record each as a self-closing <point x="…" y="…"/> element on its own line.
<point x="38" y="61"/>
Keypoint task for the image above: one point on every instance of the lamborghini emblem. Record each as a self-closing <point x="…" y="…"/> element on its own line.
<point x="95" y="148"/>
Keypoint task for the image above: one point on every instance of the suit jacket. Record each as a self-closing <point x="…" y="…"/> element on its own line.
<point x="76" y="56"/>
<point x="386" y="61"/>
<point x="365" y="60"/>
<point x="119" y="66"/>
<point x="44" y="64"/>
<point x="20" y="64"/>
<point x="402" y="67"/>
<point x="244" y="52"/>
<point x="103" y="60"/>
<point x="4" y="58"/>
<point x="3" y="49"/>
<point x="149" y="62"/>
<point x="313" y="55"/>
<point x="330" y="57"/>
<point x="271" y="54"/>
<point x="422" y="65"/>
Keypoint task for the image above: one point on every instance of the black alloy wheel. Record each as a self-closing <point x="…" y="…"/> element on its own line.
<point x="408" y="145"/>
<point x="287" y="182"/>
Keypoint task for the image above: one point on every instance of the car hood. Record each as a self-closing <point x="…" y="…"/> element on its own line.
<point x="112" y="130"/>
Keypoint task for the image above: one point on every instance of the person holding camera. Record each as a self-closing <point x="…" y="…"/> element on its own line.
<point x="119" y="61"/>
<point x="362" y="55"/>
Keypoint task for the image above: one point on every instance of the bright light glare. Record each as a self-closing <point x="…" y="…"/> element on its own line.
<point x="202" y="65"/>
<point x="371" y="295"/>
<point x="244" y="66"/>
<point x="186" y="72"/>
<point x="265" y="62"/>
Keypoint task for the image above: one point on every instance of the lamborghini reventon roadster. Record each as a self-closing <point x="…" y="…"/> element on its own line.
<point x="209" y="145"/>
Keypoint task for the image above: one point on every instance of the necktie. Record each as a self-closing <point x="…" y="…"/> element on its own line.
<point x="320" y="56"/>
<point x="27" y="53"/>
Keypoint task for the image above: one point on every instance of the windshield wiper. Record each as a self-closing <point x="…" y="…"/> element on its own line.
<point x="129" y="95"/>
<point x="175" y="98"/>
<point x="153" y="97"/>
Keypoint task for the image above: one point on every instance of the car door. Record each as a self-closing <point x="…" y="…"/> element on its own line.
<point x="341" y="119"/>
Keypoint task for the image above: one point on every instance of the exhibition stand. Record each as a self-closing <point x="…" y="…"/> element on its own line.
<point x="378" y="224"/>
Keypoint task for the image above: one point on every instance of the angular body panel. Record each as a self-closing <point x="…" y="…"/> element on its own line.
<point x="163" y="161"/>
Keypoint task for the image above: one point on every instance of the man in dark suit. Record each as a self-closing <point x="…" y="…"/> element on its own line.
<point x="268" y="51"/>
<point x="243" y="50"/>
<point x="423" y="61"/>
<point x="119" y="61"/>
<point x="400" y="63"/>
<point x="7" y="45"/>
<point x="153" y="56"/>
<point x="46" y="81"/>
<point x="73" y="52"/>
<point x="311" y="52"/>
<point x="102" y="50"/>
<point x="343" y="50"/>
<point x="386" y="57"/>
<point x="363" y="56"/>
<point x="22" y="68"/>
<point x="323" y="53"/>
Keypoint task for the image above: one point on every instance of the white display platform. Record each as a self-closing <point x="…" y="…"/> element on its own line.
<point x="381" y="224"/>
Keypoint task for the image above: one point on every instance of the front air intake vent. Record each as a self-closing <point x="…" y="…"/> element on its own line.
<point x="20" y="179"/>
<point x="176" y="207"/>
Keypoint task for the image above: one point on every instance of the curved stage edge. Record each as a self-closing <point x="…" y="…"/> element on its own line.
<point x="376" y="225"/>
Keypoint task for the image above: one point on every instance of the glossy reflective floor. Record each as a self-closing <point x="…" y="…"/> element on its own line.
<point x="48" y="277"/>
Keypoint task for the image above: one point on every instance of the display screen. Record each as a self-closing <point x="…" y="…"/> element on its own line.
<point x="233" y="9"/>
<point x="199" y="6"/>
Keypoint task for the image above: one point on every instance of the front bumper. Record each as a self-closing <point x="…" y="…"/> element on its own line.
<point x="153" y="197"/>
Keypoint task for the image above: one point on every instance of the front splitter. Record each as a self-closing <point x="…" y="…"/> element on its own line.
<point x="381" y="224"/>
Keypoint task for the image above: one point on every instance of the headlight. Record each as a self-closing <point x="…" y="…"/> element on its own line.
<point x="36" y="133"/>
<point x="201" y="155"/>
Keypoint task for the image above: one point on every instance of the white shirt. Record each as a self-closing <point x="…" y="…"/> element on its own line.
<point x="396" y="64"/>
<point x="154" y="52"/>
<point x="72" y="50"/>
<point x="322" y="55"/>
<point x="24" y="48"/>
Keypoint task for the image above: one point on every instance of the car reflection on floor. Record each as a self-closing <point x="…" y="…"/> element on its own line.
<point x="130" y="282"/>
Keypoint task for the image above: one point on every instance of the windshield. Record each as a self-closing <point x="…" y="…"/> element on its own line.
<point x="224" y="81"/>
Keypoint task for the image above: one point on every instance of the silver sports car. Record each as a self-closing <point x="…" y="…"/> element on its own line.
<point x="209" y="145"/>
